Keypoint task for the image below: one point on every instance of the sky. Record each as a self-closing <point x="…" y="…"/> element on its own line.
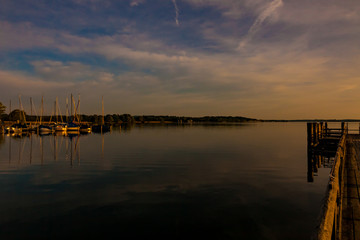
<point x="264" y="59"/>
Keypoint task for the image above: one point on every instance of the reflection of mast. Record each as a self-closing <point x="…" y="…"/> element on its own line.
<point x="19" y="151"/>
<point x="71" y="152"/>
<point x="102" y="146"/>
<point x="10" y="151"/>
<point x="22" y="147"/>
<point x="42" y="151"/>
<point x="102" y="117"/>
<point x="77" y="148"/>
<point x="79" y="154"/>
<point x="55" y="150"/>
<point x="67" y="148"/>
<point x="31" y="143"/>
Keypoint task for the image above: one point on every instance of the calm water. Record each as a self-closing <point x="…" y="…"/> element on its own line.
<point x="175" y="182"/>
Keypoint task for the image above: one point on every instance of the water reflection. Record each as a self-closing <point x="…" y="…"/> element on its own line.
<point x="318" y="159"/>
<point x="321" y="147"/>
<point x="43" y="146"/>
<point x="213" y="182"/>
<point x="2" y="139"/>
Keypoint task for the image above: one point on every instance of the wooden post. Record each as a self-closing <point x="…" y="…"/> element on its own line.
<point x="317" y="128"/>
<point x="309" y="134"/>
<point x="326" y="128"/>
<point x="321" y="129"/>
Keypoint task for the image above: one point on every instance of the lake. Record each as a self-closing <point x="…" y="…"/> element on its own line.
<point x="246" y="181"/>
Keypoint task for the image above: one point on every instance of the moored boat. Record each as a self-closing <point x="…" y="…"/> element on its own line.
<point x="45" y="129"/>
<point x="17" y="128"/>
<point x="73" y="127"/>
<point x="85" y="128"/>
<point x="60" y="127"/>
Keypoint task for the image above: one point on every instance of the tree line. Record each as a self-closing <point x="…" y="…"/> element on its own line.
<point x="19" y="115"/>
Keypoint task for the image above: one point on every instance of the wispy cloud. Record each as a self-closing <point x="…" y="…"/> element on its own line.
<point x="176" y="13"/>
<point x="268" y="12"/>
<point x="134" y="3"/>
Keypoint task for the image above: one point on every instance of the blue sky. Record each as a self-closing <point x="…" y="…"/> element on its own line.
<point x="269" y="59"/>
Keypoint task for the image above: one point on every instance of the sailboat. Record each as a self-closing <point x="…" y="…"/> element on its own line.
<point x="59" y="126"/>
<point x="72" y="126"/>
<point x="84" y="127"/>
<point x="43" y="128"/>
<point x="16" y="128"/>
<point x="33" y="127"/>
<point x="21" y="125"/>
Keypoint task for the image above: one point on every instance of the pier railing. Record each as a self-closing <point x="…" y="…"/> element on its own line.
<point x="330" y="221"/>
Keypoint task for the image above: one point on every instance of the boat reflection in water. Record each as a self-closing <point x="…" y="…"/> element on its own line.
<point x="44" y="145"/>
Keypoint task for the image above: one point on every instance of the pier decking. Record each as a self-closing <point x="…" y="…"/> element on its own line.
<point x="351" y="197"/>
<point x="340" y="214"/>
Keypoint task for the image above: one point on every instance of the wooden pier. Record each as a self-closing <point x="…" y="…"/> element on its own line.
<point x="340" y="213"/>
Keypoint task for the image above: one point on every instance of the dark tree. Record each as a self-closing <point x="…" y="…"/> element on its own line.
<point x="127" y="118"/>
<point x="17" y="115"/>
<point x="109" y="118"/>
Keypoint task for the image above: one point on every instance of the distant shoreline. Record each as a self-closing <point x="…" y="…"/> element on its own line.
<point x="314" y="120"/>
<point x="114" y="119"/>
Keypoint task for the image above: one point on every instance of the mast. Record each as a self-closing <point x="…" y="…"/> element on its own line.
<point x="71" y="106"/>
<point x="79" y="111"/>
<point x="67" y="109"/>
<point x="22" y="112"/>
<point x="10" y="110"/>
<point x="56" y="110"/>
<point x="102" y="103"/>
<point x="42" y="108"/>
<point x="31" y="114"/>
<point x="31" y="106"/>
<point x="75" y="108"/>
<point x="20" y="115"/>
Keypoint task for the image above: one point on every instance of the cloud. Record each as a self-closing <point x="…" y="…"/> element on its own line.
<point x="75" y="72"/>
<point x="176" y="13"/>
<point x="25" y="35"/>
<point x="320" y="12"/>
<point x="22" y="83"/>
<point x="105" y="77"/>
<point x="267" y="13"/>
<point x="300" y="60"/>
<point x="134" y="3"/>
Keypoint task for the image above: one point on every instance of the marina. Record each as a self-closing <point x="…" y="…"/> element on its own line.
<point x="224" y="119"/>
